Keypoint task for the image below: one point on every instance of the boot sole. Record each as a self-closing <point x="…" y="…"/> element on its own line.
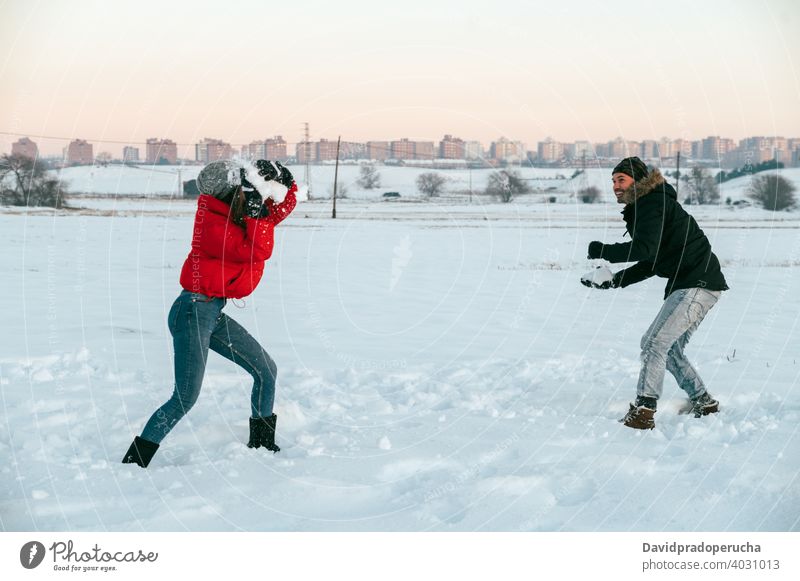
<point x="637" y="427"/>
<point x="688" y="408"/>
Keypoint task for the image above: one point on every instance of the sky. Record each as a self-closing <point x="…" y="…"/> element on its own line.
<point x="526" y="70"/>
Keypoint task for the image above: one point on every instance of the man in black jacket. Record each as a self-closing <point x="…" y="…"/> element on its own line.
<point x="667" y="242"/>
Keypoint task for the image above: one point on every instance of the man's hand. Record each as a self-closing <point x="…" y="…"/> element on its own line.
<point x="595" y="249"/>
<point x="601" y="277"/>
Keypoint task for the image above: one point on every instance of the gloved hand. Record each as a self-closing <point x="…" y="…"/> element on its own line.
<point x="595" y="249"/>
<point x="267" y="169"/>
<point x="602" y="278"/>
<point x="285" y="177"/>
<point x="254" y="204"/>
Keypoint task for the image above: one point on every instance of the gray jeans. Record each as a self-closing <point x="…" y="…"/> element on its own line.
<point x="664" y="342"/>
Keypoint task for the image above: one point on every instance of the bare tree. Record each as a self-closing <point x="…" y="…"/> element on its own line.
<point x="26" y="182"/>
<point x="431" y="184"/>
<point x="103" y="158"/>
<point x="369" y="178"/>
<point x="506" y="184"/>
<point x="703" y="187"/>
<point x="772" y="192"/>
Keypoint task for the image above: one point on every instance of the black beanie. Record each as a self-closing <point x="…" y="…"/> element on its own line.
<point x="632" y="166"/>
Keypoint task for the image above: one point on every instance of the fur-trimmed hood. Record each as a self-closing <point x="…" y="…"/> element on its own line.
<point x="646" y="185"/>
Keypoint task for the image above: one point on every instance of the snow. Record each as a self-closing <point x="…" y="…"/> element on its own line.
<point x="598" y="276"/>
<point x="546" y="182"/>
<point x="440" y="367"/>
<point x="267" y="189"/>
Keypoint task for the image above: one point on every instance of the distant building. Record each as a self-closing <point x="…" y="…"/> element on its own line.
<point x="793" y="146"/>
<point x="504" y="149"/>
<point x="161" y="151"/>
<point x="378" y="150"/>
<point x="130" y="153"/>
<point x="666" y="148"/>
<point x="276" y="148"/>
<point x="305" y="151"/>
<point x="583" y="149"/>
<point x="451" y="148"/>
<point x="79" y="152"/>
<point x="684" y="146"/>
<point x="424" y="150"/>
<point x="325" y="150"/>
<point x="620" y="148"/>
<point x="601" y="149"/>
<point x="549" y="150"/>
<point x="25" y="148"/>
<point x="209" y="150"/>
<point x="402" y="149"/>
<point x="714" y="147"/>
<point x="473" y="150"/>
<point x="648" y="149"/>
<point x="273" y="149"/>
<point x="759" y="149"/>
<point x="353" y="150"/>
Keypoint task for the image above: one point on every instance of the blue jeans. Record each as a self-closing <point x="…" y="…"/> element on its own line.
<point x="197" y="323"/>
<point x="664" y="342"/>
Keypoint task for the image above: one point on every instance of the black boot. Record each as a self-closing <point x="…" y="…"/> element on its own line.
<point x="140" y="452"/>
<point x="704" y="405"/>
<point x="262" y="433"/>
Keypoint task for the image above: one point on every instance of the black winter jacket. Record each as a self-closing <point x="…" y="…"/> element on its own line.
<point x="665" y="240"/>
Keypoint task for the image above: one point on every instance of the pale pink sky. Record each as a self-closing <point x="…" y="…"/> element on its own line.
<point x="418" y="69"/>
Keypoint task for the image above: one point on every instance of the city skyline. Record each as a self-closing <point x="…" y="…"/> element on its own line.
<point x="726" y="151"/>
<point x="574" y="71"/>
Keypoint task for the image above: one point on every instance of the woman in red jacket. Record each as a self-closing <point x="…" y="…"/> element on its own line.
<point x="231" y="240"/>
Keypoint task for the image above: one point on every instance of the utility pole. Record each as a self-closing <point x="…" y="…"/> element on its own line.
<point x="678" y="174"/>
<point x="307" y="151"/>
<point x="470" y="184"/>
<point x="336" y="176"/>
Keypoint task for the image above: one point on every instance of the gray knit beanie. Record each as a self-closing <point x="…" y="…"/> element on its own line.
<point x="219" y="178"/>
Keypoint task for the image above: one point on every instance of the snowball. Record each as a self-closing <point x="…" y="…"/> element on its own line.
<point x="267" y="189"/>
<point x="598" y="276"/>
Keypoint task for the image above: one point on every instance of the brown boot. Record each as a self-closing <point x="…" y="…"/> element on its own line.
<point x="640" y="418"/>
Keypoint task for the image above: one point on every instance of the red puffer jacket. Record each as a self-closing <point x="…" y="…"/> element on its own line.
<point x="225" y="260"/>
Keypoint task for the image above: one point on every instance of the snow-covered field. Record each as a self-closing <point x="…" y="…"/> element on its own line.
<point x="165" y="180"/>
<point x="440" y="368"/>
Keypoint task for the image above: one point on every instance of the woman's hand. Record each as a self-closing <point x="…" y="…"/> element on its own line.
<point x="267" y="169"/>
<point x="285" y="178"/>
<point x="254" y="205"/>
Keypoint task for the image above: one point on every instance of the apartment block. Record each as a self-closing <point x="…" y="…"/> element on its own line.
<point x="451" y="148"/>
<point x="25" y="148"/>
<point x="209" y="150"/>
<point x="161" y="151"/>
<point x="378" y="150"/>
<point x="79" y="152"/>
<point x="130" y="153"/>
